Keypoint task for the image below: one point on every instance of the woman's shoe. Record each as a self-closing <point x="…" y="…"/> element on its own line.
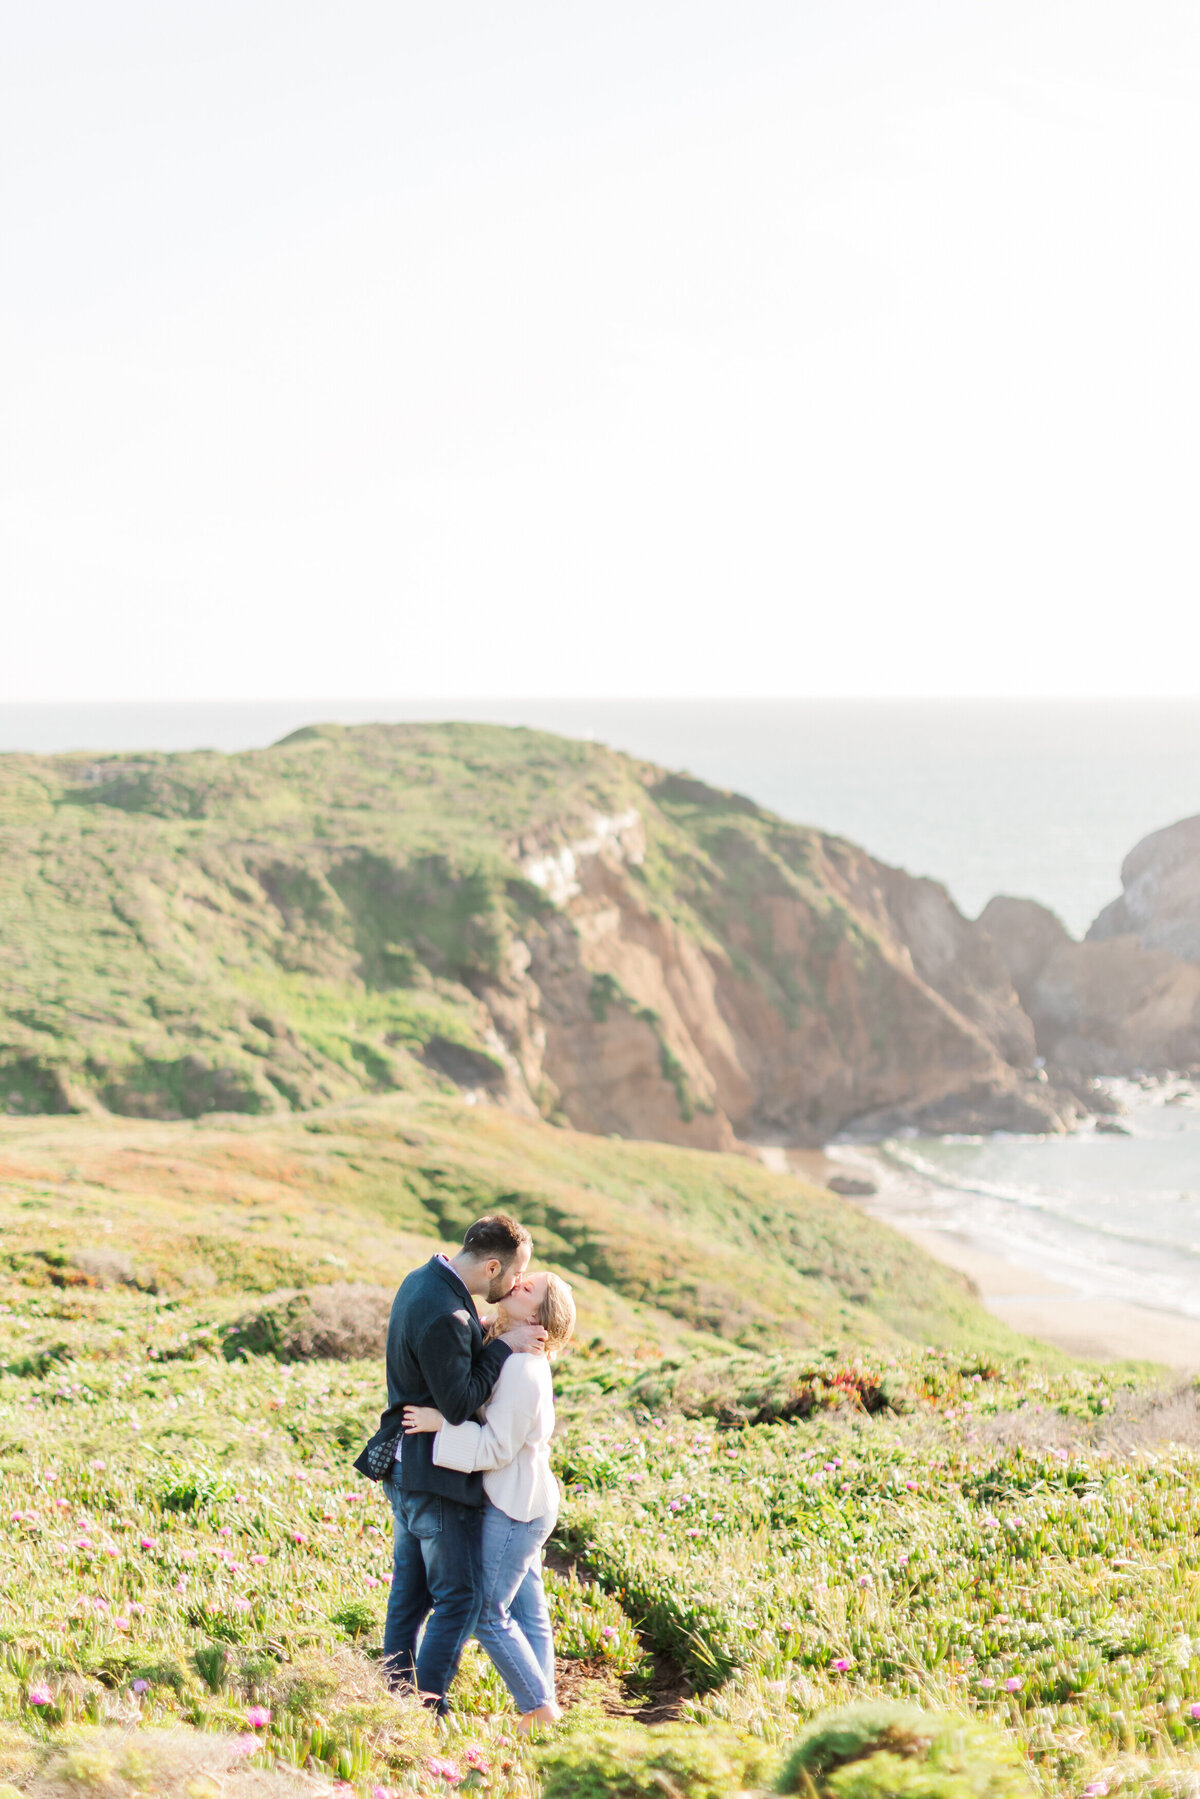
<point x="545" y="1714"/>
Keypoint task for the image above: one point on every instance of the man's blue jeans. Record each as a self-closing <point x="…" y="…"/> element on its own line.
<point x="514" y="1623"/>
<point x="436" y="1576"/>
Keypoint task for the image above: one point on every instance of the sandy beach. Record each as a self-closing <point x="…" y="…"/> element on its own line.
<point x="1103" y="1329"/>
<point x="1030" y="1302"/>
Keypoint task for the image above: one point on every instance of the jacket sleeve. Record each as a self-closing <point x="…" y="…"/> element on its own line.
<point x="458" y="1380"/>
<point x="507" y="1427"/>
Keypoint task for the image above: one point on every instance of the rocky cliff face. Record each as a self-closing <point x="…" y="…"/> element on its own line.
<point x="542" y="924"/>
<point x="1128" y="997"/>
<point x="796" y="986"/>
<point x="1160" y="904"/>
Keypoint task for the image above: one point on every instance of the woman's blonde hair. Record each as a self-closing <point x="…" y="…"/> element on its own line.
<point x="557" y="1313"/>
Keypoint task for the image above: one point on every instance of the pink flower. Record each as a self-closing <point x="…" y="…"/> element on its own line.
<point x="240" y="1605"/>
<point x="370" y="1581"/>
<point x="258" y="1560"/>
<point x="1013" y="1684"/>
<point x="609" y="1630"/>
<point x="109" y="1550"/>
<point x="987" y="1683"/>
<point x="298" y="1536"/>
<point x="258" y="1717"/>
<point x="224" y="1531"/>
<point x="841" y="1666"/>
<point x="136" y="1610"/>
<point x="148" y="1543"/>
<point x="84" y="1543"/>
<point x="444" y="1770"/>
<point x="380" y="1793"/>
<point x="120" y="1623"/>
<point x="40" y="1695"/>
<point x="1194" y="1711"/>
<point x="141" y="1686"/>
<point x="1095" y="1790"/>
<point x="97" y="1467"/>
<point x="246" y="1744"/>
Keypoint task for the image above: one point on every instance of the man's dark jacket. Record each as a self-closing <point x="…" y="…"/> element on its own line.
<point x="435" y="1356"/>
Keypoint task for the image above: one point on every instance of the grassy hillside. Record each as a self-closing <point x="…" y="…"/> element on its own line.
<point x="195" y="933"/>
<point x="661" y="1240"/>
<point x="424" y="908"/>
<point x="809" y="1509"/>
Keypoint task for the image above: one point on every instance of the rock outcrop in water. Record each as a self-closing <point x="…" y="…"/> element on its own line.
<point x="1126" y="999"/>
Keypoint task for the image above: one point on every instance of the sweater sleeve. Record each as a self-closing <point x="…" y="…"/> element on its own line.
<point x="458" y="1381"/>
<point x="511" y="1416"/>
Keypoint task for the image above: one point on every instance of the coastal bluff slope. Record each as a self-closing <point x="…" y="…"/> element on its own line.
<point x="570" y="932"/>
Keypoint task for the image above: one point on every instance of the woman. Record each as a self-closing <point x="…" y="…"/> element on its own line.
<point x="512" y="1447"/>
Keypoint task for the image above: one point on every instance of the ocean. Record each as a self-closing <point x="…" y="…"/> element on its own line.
<point x="1110" y="1217"/>
<point x="1039" y="798"/>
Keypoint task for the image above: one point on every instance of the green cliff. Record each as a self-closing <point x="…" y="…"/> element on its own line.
<point x="541" y="922"/>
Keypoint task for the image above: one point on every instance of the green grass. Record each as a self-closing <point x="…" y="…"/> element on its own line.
<point x="909" y="1556"/>
<point x="690" y="1241"/>
<point x="799" y="1462"/>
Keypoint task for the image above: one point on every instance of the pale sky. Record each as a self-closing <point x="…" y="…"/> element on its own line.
<point x="652" y="347"/>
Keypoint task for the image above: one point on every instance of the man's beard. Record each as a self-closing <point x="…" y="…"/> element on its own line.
<point x="499" y="1289"/>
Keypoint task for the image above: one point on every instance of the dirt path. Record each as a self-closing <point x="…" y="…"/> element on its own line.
<point x="659" y="1703"/>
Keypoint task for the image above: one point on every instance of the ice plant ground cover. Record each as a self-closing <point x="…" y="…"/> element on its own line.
<point x="192" y="1580"/>
<point x="931" y="1556"/>
<point x="184" y="1546"/>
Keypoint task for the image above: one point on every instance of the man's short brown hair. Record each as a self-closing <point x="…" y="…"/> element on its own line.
<point x="497" y="1236"/>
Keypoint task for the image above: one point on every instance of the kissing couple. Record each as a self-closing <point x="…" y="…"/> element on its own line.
<point x="463" y="1451"/>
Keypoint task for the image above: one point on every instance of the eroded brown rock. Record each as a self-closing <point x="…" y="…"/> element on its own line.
<point x="1115" y="1003"/>
<point x="812" y="987"/>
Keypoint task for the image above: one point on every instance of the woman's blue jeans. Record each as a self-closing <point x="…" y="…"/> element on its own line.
<point x="514" y="1623"/>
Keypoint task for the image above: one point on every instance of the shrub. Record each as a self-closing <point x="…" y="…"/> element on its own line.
<point x="186" y="1489"/>
<point x="106" y="1267"/>
<point x="356" y="1618"/>
<point x="755" y="1389"/>
<point x="341" y="1321"/>
<point x="880" y="1750"/>
<point x="676" y="1759"/>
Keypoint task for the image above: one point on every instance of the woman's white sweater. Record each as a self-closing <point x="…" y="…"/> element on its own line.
<point x="512" y="1445"/>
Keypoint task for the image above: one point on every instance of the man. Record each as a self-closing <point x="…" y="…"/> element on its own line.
<point x="436" y="1356"/>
